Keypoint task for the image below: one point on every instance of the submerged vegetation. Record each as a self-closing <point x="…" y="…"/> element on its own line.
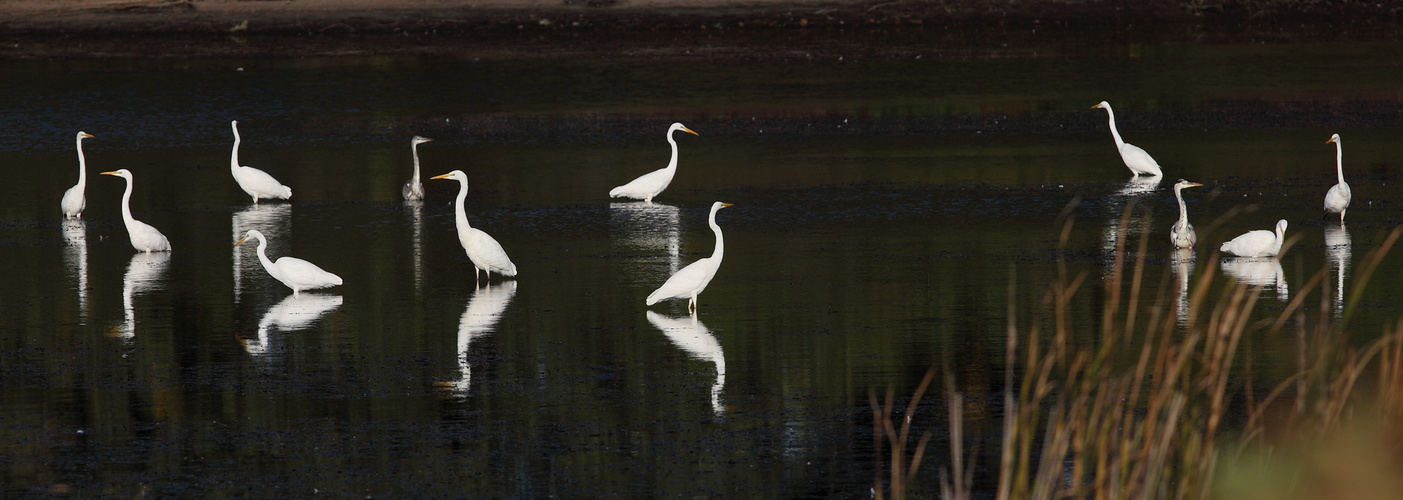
<point x="1163" y="404"/>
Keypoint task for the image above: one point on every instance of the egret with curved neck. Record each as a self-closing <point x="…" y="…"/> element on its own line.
<point x="144" y="237"/>
<point x="652" y="183"/>
<point x="1182" y="234"/>
<point x="413" y="190"/>
<point x="482" y="249"/>
<point x="1337" y="198"/>
<point x="296" y="273"/>
<point x="1259" y="243"/>
<point x="255" y="182"/>
<point x="691" y="280"/>
<point x="73" y="201"/>
<point x="1137" y="160"/>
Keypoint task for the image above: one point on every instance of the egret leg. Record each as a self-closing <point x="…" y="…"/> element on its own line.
<point x="1342" y="217"/>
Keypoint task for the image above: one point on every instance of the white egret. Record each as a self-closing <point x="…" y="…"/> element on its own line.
<point x="73" y="201"/>
<point x="144" y="237"/>
<point x="1259" y="243"/>
<point x="691" y="280"/>
<point x="255" y="182"/>
<point x="291" y="314"/>
<point x="1182" y="234"/>
<point x="1337" y="198"/>
<point x="648" y="185"/>
<point x="413" y="190"/>
<point x="296" y="273"/>
<point x="485" y="252"/>
<point x="1137" y="160"/>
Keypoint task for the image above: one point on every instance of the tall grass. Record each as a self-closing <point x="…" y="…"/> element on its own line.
<point x="1142" y="411"/>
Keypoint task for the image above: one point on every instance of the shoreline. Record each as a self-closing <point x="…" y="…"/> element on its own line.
<point x="650" y="29"/>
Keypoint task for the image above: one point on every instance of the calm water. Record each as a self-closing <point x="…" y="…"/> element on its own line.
<point x="880" y="208"/>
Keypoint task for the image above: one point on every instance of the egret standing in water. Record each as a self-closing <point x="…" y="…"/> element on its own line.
<point x="73" y="201"/>
<point x="255" y="182"/>
<point x="1337" y="198"/>
<point x="1259" y="243"/>
<point x="650" y="184"/>
<point x="691" y="280"/>
<point x="1182" y="234"/>
<point x="144" y="237"/>
<point x="413" y="190"/>
<point x="296" y="273"/>
<point x="485" y="252"/>
<point x="1137" y="160"/>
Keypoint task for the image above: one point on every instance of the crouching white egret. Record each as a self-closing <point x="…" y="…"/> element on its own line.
<point x="296" y="273"/>
<point x="255" y="182"/>
<point x="144" y="237"/>
<point x="1137" y="160"/>
<point x="648" y="185"/>
<point x="691" y="280"/>
<point x="73" y="201"/>
<point x="413" y="190"/>
<point x="485" y="252"/>
<point x="1259" y="243"/>
<point x="1337" y="198"/>
<point x="1182" y="234"/>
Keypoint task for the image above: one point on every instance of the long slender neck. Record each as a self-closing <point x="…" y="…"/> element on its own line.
<point x="458" y="206"/>
<point x="1114" y="133"/>
<point x="672" y="164"/>
<point x="415" y="148"/>
<point x="263" y="254"/>
<point x="127" y="203"/>
<point x="234" y="157"/>
<point x="1183" y="211"/>
<point x="82" y="166"/>
<point x="720" y="241"/>
<point x="1339" y="159"/>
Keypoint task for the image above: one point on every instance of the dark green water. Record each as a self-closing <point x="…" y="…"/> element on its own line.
<point x="880" y="208"/>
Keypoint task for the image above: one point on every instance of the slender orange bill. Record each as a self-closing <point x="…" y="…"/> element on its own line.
<point x="114" y="172"/>
<point x="728" y="204"/>
<point x="444" y="176"/>
<point x="241" y="241"/>
<point x="687" y="130"/>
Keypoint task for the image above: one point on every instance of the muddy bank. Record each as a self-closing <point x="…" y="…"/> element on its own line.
<point x="690" y="29"/>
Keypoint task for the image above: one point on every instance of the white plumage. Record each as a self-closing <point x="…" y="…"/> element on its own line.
<point x="485" y="252"/>
<point x="255" y="182"/>
<point x="691" y="280"/>
<point x="650" y="184"/>
<point x="74" y="201"/>
<point x="144" y="237"/>
<point x="413" y="189"/>
<point x="1137" y="160"/>
<point x="1182" y="234"/>
<point x="1259" y="243"/>
<point x="1337" y="198"/>
<point x="296" y="273"/>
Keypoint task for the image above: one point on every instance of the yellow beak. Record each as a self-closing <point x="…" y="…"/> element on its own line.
<point x="687" y="130"/>
<point x="444" y="176"/>
<point x="1332" y="139"/>
<point x="85" y="134"/>
<point x="728" y="204"/>
<point x="241" y="241"/>
<point x="114" y="172"/>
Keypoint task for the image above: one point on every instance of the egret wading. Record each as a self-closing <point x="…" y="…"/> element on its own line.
<point x="1182" y="234"/>
<point x="255" y="182"/>
<point x="74" y="201"/>
<point x="1137" y="160"/>
<point x="648" y="185"/>
<point x="296" y="273"/>
<point x="485" y="252"/>
<point x="144" y="237"/>
<point x="1259" y="243"/>
<point x="691" y="280"/>
<point x="1337" y="198"/>
<point x="413" y="190"/>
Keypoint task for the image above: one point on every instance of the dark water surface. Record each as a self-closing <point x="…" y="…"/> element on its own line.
<point x="880" y="209"/>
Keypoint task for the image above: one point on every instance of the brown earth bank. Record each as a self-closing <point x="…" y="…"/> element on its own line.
<point x="660" y="29"/>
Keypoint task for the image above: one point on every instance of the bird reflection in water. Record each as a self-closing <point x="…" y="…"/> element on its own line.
<point x="271" y="218"/>
<point x="1139" y="218"/>
<point x="145" y="273"/>
<point x="1183" y="260"/>
<point x="480" y="318"/>
<point x="292" y="314"/>
<point x="648" y="230"/>
<point x="1337" y="251"/>
<point x="692" y="336"/>
<point x="1258" y="271"/>
<point x="75" y="260"/>
<point x="416" y="213"/>
<point x="1139" y="185"/>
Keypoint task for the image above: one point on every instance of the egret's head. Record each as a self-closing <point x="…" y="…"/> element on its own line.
<point x="417" y="140"/>
<point x="1102" y="104"/>
<point x="1281" y="226"/>
<point x="252" y="233"/>
<point x="84" y="135"/>
<point x="678" y="126"/>
<point x="123" y="173"/>
<point x="1334" y="138"/>
<point x="456" y="175"/>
